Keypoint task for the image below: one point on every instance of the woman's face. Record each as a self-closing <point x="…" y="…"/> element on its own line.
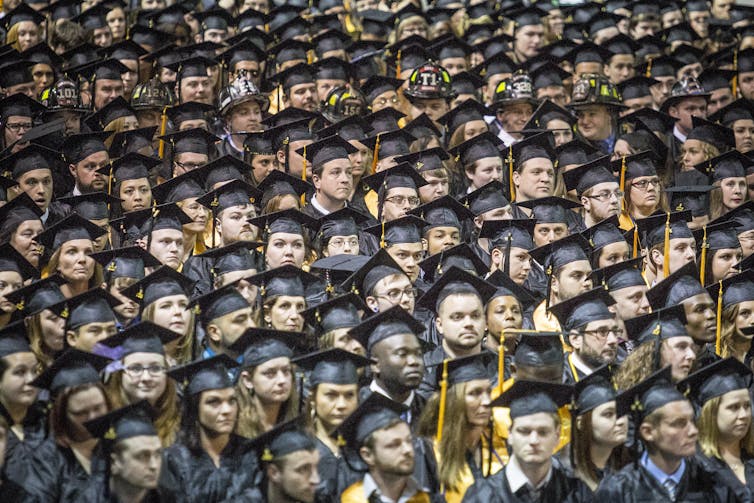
<point x="272" y="381"/>
<point x="645" y="192"/>
<point x="53" y="330"/>
<point x="43" y="75"/>
<point x="473" y="129"/>
<point x="172" y="312"/>
<point x="608" y="429"/>
<point x="85" y="405"/>
<point x="477" y="400"/>
<point x="335" y="402"/>
<point x="15" y="383"/>
<point x="198" y="214"/>
<point x="745" y="316"/>
<point x="342" y="340"/>
<point x="128" y="309"/>
<point x="130" y="123"/>
<point x="284" y="314"/>
<point x="75" y="264"/>
<point x="10" y="281"/>
<point x="614" y="253"/>
<point x="284" y="248"/>
<point x="144" y="377"/>
<point x="503" y="313"/>
<point x="136" y="194"/>
<point x="734" y="192"/>
<point x="116" y="20"/>
<point x="218" y="410"/>
<point x="414" y="28"/>
<point x="561" y="131"/>
<point x="28" y="35"/>
<point x="692" y="153"/>
<point x="734" y="415"/>
<point x="262" y="165"/>
<point x="723" y="262"/>
<point x="24" y="241"/>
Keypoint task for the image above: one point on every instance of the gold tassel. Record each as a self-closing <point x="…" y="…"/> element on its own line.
<point x="376" y="156"/>
<point x="303" y="177"/>
<point x="398" y="65"/>
<point x="636" y="242"/>
<point x="501" y="363"/>
<point x="734" y="82"/>
<point x="719" y="321"/>
<point x="443" y="398"/>
<point x="703" y="261"/>
<point x="623" y="182"/>
<point x="510" y="173"/>
<point x="648" y="73"/>
<point x="382" y="236"/>
<point x="666" y="249"/>
<point x="163" y="129"/>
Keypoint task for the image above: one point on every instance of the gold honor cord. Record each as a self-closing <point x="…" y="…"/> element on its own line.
<point x="443" y="399"/>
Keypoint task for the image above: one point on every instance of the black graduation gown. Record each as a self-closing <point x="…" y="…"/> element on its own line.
<point x="200" y="481"/>
<point x="568" y="371"/>
<point x="328" y="472"/>
<point x="12" y="492"/>
<point x="96" y="492"/>
<point x="225" y="148"/>
<point x="634" y="484"/>
<point x="495" y="489"/>
<point x="744" y="493"/>
<point x="57" y="475"/>
<point x="18" y="453"/>
<point x="416" y="408"/>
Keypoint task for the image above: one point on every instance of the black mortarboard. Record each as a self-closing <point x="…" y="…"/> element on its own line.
<point x="173" y="14"/>
<point x="282" y="440"/>
<point x="329" y="40"/>
<point x="78" y="147"/>
<point x="340" y="312"/>
<point x="526" y="16"/>
<point x="636" y="165"/>
<point x="406" y="229"/>
<point x="741" y="109"/>
<point x="402" y="175"/>
<point x="469" y="110"/>
<point x="234" y="193"/>
<point x="332" y="68"/>
<point x="656" y="121"/>
<point x="516" y="233"/>
<point x="588" y="175"/>
<point x="636" y="87"/>
<point x="548" y="74"/>
<point x="204" y="375"/>
<point x="497" y="64"/>
<point x="336" y="269"/>
<point x="487" y="198"/>
<point x="649" y="395"/>
<point x="131" y="421"/>
<point x="588" y="53"/>
<point x="259" y="345"/>
<point x="285" y="280"/>
<point x="20" y="104"/>
<point x="717" y="379"/>
<point x="540" y="145"/>
<point x="731" y="164"/>
<point x="234" y="257"/>
<point x="384" y="121"/>
<point x="332" y="366"/>
<point x="455" y="281"/>
<point x="42" y="53"/>
<point x="443" y="212"/>
<point x="326" y="150"/>
<point x="537" y="349"/>
<point x="195" y="66"/>
<point x="132" y="140"/>
<point x="692" y="198"/>
<point x="604" y="233"/>
<point x="163" y="282"/>
<point x="219" y="302"/>
<point x="196" y="140"/>
<point x="422" y="126"/>
<point x="390" y="143"/>
<point x="20" y="209"/>
<point x="142" y="337"/>
<point x="109" y="69"/>
<point x="70" y="228"/>
<point x="93" y="306"/>
<point x="15" y="72"/>
<point x="574" y="152"/>
<point x="30" y="158"/>
<point x="126" y="50"/>
<point x="480" y="147"/>
<point x="128" y="262"/>
<point x="525" y="398"/>
<point x="719" y="234"/>
<point x="425" y="160"/>
<point x="12" y="260"/>
<point x="289" y="221"/>
<point x="576" y="312"/>
<point x="227" y="168"/>
<point x="375" y="22"/>
<point x="545" y="112"/>
<point x="713" y="79"/>
<point x="736" y="289"/>
<point x="662" y="323"/>
<point x="653" y="228"/>
<point x="245" y="50"/>
<point x="296" y="27"/>
<point x="385" y="324"/>
<point x="295" y="75"/>
<point x="92" y="18"/>
<point x="259" y="143"/>
<point x="343" y="222"/>
<point x="621" y="275"/>
<point x="506" y="287"/>
<point x="148" y="220"/>
<point x="290" y="50"/>
<point x="115" y="109"/>
<point x="550" y="209"/>
<point x="22" y="13"/>
<point x="350" y="128"/>
<point x="191" y="110"/>
<point x="38" y="296"/>
<point x="91" y="206"/>
<point x="663" y="66"/>
<point x="281" y="183"/>
<point x="379" y="266"/>
<point x="460" y="256"/>
<point x="72" y="368"/>
<point x="373" y="414"/>
<point x="186" y="186"/>
<point x="466" y="83"/>
<point x="132" y="166"/>
<point x="562" y="252"/>
<point x="719" y="136"/>
<point x="466" y="368"/>
<point x="214" y="18"/>
<point x="594" y="390"/>
<point x="743" y="216"/>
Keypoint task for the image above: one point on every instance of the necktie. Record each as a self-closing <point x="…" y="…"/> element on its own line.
<point x="671" y="487"/>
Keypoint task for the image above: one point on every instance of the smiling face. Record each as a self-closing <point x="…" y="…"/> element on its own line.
<point x="144" y="377"/>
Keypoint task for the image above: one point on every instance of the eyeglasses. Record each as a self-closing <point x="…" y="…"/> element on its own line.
<point x="603" y="332"/>
<point x="402" y="200"/>
<point x="644" y="184"/>
<point x="384" y="101"/>
<point x="606" y="195"/>
<point x="18" y="126"/>
<point x="395" y="295"/>
<point x="188" y="166"/>
<point x="340" y="242"/>
<point x="136" y="371"/>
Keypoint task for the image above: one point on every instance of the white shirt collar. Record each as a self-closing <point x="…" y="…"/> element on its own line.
<point x="313" y="201"/>
<point x="580" y="365"/>
<point x="517" y="479"/>
<point x="677" y="133"/>
<point x="379" y="389"/>
<point x="45" y="215"/>
<point x="76" y="191"/>
<point x="370" y="486"/>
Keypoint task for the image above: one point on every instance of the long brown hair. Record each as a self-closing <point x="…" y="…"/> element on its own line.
<point x="250" y="411"/>
<point x="33" y="325"/>
<point x="709" y="433"/>
<point x="60" y="426"/>
<point x="185" y="348"/>
<point x="637" y="366"/>
<point x="581" y="458"/>
<point x="729" y="333"/>
<point x="52" y="266"/>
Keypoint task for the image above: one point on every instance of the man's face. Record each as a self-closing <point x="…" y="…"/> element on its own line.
<point x="573" y="279"/>
<point x="246" y="117"/>
<point x="434" y="108"/>
<point x="635" y="104"/>
<point x="556" y="94"/>
<point x="529" y="40"/>
<point x="437" y="187"/>
<point x="215" y="35"/>
<point x="303" y="96"/>
<point x="442" y="238"/>
<point x="535" y="178"/>
<point x="248" y="69"/>
<point x="324" y="86"/>
<point x="597" y="205"/>
<point x="37" y="184"/>
<point x="533" y="438"/>
<point x="105" y="91"/>
<point x="594" y="122"/>
<point x="297" y="476"/>
<point x="514" y="117"/>
<point x="546" y="233"/>
<point x="721" y="8"/>
<point x="188" y="161"/>
<point x="461" y="321"/>
<point x="682" y="251"/>
<point x="484" y="170"/>
<point x="408" y="256"/>
<point x="336" y="181"/>
<point x="399" y="362"/>
<point x="388" y="99"/>
<point x="234" y="225"/>
<point x="661" y="91"/>
<point x="676" y="434"/>
<point x="295" y="160"/>
<point x="644" y="28"/>
<point x="137" y="461"/>
<point x="392" y="453"/>
<point x="392" y="290"/>
<point x="699" y="22"/>
<point x="27" y="88"/>
<point x="226" y="329"/>
<point x="631" y="302"/>
<point x="685" y="110"/>
<point x="196" y="89"/>
<point x="398" y="201"/>
<point x="597" y="343"/>
<point x="700" y="317"/>
<point x="86" y="175"/>
<point x="15" y="127"/>
<point x="167" y="246"/>
<point x="620" y="68"/>
<point x="455" y="65"/>
<point x="86" y="336"/>
<point x="671" y="18"/>
<point x="746" y="84"/>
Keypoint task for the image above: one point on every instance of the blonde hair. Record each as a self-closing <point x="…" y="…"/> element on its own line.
<point x="116" y="126"/>
<point x="250" y="411"/>
<point x="709" y="434"/>
<point x="184" y="352"/>
<point x="637" y="366"/>
<point x="395" y="35"/>
<point x="11" y="38"/>
<point x="52" y="267"/>
<point x="716" y="206"/>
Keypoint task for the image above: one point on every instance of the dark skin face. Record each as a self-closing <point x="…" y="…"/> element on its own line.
<point x="400" y="364"/>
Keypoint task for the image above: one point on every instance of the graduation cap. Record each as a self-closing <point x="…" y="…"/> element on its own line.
<point x="659" y="325"/>
<point x="515" y="233"/>
<point x="126" y="50"/>
<point x="259" y="345"/>
<point x="385" y="121"/>
<point x="204" y="375"/>
<point x="132" y="140"/>
<point x="283" y="440"/>
<point x="131" y="166"/>
<point x="93" y="306"/>
<point x="30" y="158"/>
<point x="550" y="209"/>
<point x="245" y="50"/>
<point x="649" y="395"/>
<point x="732" y="164"/>
<point x="340" y="312"/>
<point x="490" y="196"/>
<point x="735" y="289"/>
<point x="604" y="233"/>
<point x="284" y="280"/>
<point x="589" y="52"/>
<point x="91" y="206"/>
<point x="233" y="193"/>
<point x="141" y="223"/>
<point x="373" y="414"/>
<point x="425" y="160"/>
<point x="336" y="269"/>
<point x="713" y="79"/>
<point x="295" y="75"/>
<point x="410" y="57"/>
<point x="71" y="369"/>
<point x="526" y="16"/>
<point x="280" y="183"/>
<point x="142" y="337"/>
<point x="741" y="109"/>
<point x="70" y="228"/>
<point x="450" y="46"/>
<point x="38" y="296"/>
<point x="621" y="275"/>
<point x="332" y="366"/>
<point x="163" y="282"/>
<point x="525" y="398"/>
<point x="469" y="110"/>
<point x="194" y="66"/>
<point x="134" y="420"/>
<point x="442" y="212"/>
<point x="259" y="143"/>
<point x="42" y="54"/>
<point x="20" y="209"/>
<point x="455" y="281"/>
<point x="237" y="256"/>
<point x="16" y="72"/>
<point x="460" y="256"/>
<point x="333" y="69"/>
<point x="385" y="324"/>
<point x="692" y="198"/>
<point x="78" y="147"/>
<point x="290" y="50"/>
<point x="191" y="110"/>
<point x="636" y="87"/>
<point x="329" y="40"/>
<point x="20" y="104"/>
<point x="546" y="112"/>
<point x="402" y="175"/>
<point x="574" y="152"/>
<point x="576" y="312"/>
<point x="290" y="221"/>
<point x="498" y="64"/>
<point x="662" y="66"/>
<point x="687" y="87"/>
<point x="350" y="128"/>
<point x="656" y="121"/>
<point x="620" y="44"/>
<point x="173" y="14"/>
<point x="406" y="229"/>
<point x="561" y="252"/>
<point x="92" y="18"/>
<point x="22" y="13"/>
<point x="214" y="18"/>
<point x="586" y="176"/>
<point x="12" y="260"/>
<point x="718" y="136"/>
<point x="717" y="379"/>
<point x="482" y="146"/>
<point x="343" y="222"/>
<point x="186" y="186"/>
<point x="109" y="69"/>
<point x="654" y="227"/>
<point x="422" y="126"/>
<point x="466" y="83"/>
<point x="378" y="267"/>
<point x="196" y="140"/>
<point x="375" y="22"/>
<point x="116" y="109"/>
<point x="295" y="27"/>
<point x="127" y="262"/>
<point x="594" y="390"/>
<point x="326" y="150"/>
